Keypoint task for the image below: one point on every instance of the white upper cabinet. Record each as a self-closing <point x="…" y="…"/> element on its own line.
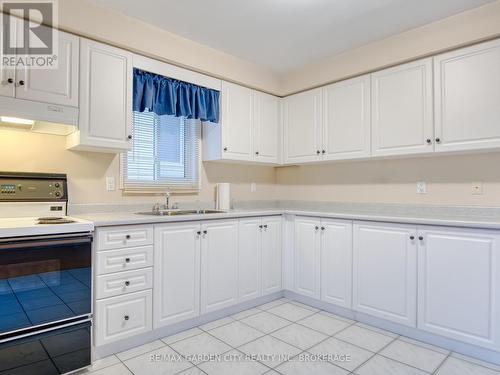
<point x="219" y="265"/>
<point x="8" y="75"/>
<point x="266" y="127"/>
<point x="336" y="262"/>
<point x="7" y="81"/>
<point x="385" y="271"/>
<point x="467" y="97"/>
<point x="176" y="273"/>
<point x="271" y="254"/>
<point x="105" y="121"/>
<point x="459" y="284"/>
<point x="237" y="122"/>
<point x="307" y="257"/>
<point x="346" y="120"/>
<point x="402" y="114"/>
<point x="56" y="86"/>
<point x="249" y="127"/>
<point x="249" y="259"/>
<point x="302" y="126"/>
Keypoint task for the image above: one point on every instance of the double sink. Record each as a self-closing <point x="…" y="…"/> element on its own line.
<point x="180" y="212"/>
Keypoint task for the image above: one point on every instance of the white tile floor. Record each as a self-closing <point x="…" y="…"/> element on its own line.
<point x="288" y="338"/>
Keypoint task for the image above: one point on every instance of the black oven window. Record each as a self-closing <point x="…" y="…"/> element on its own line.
<point x="40" y="298"/>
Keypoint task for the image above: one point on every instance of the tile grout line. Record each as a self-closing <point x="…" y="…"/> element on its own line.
<point x="374" y="354"/>
<point x="474" y="363"/>
<point x="442" y="363"/>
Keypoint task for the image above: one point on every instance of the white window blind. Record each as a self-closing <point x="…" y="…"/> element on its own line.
<point x="164" y="154"/>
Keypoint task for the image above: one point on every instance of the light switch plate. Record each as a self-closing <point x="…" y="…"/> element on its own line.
<point x="110" y="183"/>
<point x="421" y="187"/>
<point x="253" y="187"/>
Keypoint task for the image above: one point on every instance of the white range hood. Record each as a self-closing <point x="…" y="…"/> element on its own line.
<point x="47" y="118"/>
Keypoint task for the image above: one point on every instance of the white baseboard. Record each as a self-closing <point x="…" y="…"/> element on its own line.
<point x="413" y="333"/>
<point x="129" y="343"/>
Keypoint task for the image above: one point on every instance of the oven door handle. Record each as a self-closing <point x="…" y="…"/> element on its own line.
<point x="15" y="244"/>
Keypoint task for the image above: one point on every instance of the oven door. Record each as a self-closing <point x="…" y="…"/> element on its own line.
<point x="56" y="351"/>
<point x="43" y="280"/>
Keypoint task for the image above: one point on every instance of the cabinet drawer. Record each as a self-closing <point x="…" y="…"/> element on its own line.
<point x="124" y="236"/>
<point x="124" y="259"/>
<point x="116" y="284"/>
<point x="120" y="317"/>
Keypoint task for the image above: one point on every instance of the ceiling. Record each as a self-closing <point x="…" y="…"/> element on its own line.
<point x="284" y="35"/>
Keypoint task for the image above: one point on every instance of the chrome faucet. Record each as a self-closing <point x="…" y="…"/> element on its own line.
<point x="167" y="200"/>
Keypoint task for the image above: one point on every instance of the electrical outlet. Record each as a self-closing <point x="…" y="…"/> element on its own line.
<point x="421" y="187"/>
<point x="253" y="187"/>
<point x="477" y="188"/>
<point x="110" y="183"/>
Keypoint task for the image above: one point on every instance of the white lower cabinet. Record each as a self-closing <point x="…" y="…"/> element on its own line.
<point x="385" y="271"/>
<point x="323" y="259"/>
<point x="121" y="317"/>
<point x="177" y="272"/>
<point x="249" y="259"/>
<point x="307" y="257"/>
<point x="115" y="284"/>
<point x="219" y="265"/>
<point x="271" y="255"/>
<point x="458" y="287"/>
<point x="336" y="262"/>
<point x="130" y="258"/>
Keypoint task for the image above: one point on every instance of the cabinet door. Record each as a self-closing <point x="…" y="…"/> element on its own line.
<point x="402" y="116"/>
<point x="467" y="86"/>
<point x="271" y="255"/>
<point x="105" y="119"/>
<point x="385" y="271"/>
<point x="8" y="75"/>
<point x="336" y="262"/>
<point x="307" y="257"/>
<point x="267" y="118"/>
<point x="7" y="81"/>
<point x="219" y="265"/>
<point x="237" y="122"/>
<point x="121" y="317"/>
<point x="249" y="259"/>
<point x="302" y="127"/>
<point x="55" y="86"/>
<point x="176" y="273"/>
<point x="458" y="284"/>
<point x="346" y="122"/>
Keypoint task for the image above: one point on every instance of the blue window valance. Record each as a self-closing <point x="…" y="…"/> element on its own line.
<point x="166" y="96"/>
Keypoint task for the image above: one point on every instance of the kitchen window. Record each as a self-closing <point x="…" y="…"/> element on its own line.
<point x="164" y="154"/>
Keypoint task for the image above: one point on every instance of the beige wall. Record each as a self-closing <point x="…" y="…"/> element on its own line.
<point x="462" y="29"/>
<point x="23" y="151"/>
<point x="449" y="180"/>
<point x="85" y="18"/>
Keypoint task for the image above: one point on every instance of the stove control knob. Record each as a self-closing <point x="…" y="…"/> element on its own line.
<point x="57" y="185"/>
<point x="57" y="194"/>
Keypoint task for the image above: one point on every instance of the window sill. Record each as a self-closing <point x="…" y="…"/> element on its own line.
<point x="153" y="192"/>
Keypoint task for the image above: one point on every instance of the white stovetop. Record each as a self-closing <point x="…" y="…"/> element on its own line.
<point x="27" y="226"/>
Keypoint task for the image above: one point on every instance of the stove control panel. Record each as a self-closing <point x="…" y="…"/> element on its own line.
<point x="24" y="188"/>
